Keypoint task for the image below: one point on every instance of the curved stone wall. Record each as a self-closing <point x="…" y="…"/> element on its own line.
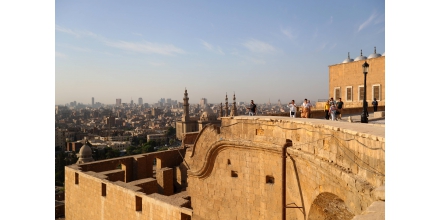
<point x="235" y="170"/>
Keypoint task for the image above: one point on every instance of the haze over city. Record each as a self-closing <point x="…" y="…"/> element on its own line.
<point x="259" y="50"/>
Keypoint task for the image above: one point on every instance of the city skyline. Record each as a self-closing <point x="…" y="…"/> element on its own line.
<point x="258" y="50"/>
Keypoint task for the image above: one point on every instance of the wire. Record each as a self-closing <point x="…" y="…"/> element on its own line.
<point x="339" y="144"/>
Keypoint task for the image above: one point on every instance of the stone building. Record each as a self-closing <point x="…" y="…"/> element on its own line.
<point x="262" y="167"/>
<point x="346" y="80"/>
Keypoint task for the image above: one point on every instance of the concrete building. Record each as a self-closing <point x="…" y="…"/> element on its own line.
<point x="140" y="102"/>
<point x="118" y="102"/>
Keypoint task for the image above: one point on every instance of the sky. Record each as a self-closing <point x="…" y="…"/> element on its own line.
<point x="260" y="50"/>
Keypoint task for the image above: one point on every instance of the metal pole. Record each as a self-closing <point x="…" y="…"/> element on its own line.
<point x="283" y="177"/>
<point x="283" y="184"/>
<point x="364" y="118"/>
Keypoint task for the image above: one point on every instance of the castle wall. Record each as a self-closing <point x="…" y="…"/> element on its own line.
<point x="104" y="190"/>
<point x="231" y="169"/>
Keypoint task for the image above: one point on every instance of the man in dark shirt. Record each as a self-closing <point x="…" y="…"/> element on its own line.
<point x="375" y="103"/>
<point x="252" y="108"/>
<point x="340" y="105"/>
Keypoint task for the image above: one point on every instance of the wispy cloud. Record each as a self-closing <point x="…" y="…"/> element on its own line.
<point x="367" y="22"/>
<point x="139" y="47"/>
<point x="81" y="49"/>
<point x="67" y="31"/>
<point x="58" y="54"/>
<point x="207" y="45"/>
<point x="75" y="32"/>
<point x="212" y="48"/>
<point x="331" y="20"/>
<point x="146" y="47"/>
<point x="254" y="60"/>
<point x="288" y="32"/>
<point x="258" y="46"/>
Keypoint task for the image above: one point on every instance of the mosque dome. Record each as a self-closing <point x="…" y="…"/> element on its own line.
<point x="208" y="114"/>
<point x="374" y="55"/>
<point x="348" y="60"/>
<point x="361" y="57"/>
<point x="85" y="154"/>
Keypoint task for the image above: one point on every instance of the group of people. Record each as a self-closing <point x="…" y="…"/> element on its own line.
<point x="305" y="109"/>
<point x="333" y="109"/>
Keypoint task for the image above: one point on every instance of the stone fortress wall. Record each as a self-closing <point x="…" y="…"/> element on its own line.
<point x="234" y="172"/>
<point x="128" y="188"/>
<point x="238" y="168"/>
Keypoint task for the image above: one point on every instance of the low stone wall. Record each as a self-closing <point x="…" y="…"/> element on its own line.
<point x="97" y="190"/>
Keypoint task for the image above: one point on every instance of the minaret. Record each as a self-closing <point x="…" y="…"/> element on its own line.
<point x="221" y="109"/>
<point x="226" y="105"/>
<point x="185" y="116"/>
<point x="234" y="107"/>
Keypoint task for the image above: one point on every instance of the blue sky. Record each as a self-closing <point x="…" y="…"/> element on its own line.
<point x="260" y="50"/>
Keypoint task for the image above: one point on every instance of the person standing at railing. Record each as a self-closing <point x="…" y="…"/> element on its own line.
<point x="375" y="104"/>
<point x="292" y="107"/>
<point x="326" y="109"/>
<point x="305" y="109"/>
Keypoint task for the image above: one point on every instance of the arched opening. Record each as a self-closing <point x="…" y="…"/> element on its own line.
<point x="328" y="206"/>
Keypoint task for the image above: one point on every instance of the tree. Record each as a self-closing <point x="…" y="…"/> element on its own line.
<point x="171" y="131"/>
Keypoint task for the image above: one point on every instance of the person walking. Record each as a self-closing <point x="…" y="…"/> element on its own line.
<point x="332" y="111"/>
<point x="340" y="105"/>
<point x="332" y="101"/>
<point x="252" y="109"/>
<point x="375" y="103"/>
<point x="292" y="107"/>
<point x="326" y="110"/>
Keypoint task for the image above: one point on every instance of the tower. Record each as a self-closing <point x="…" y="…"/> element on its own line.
<point x="221" y="109"/>
<point x="140" y="101"/>
<point x="93" y="102"/>
<point x="185" y="116"/>
<point x="226" y="105"/>
<point x="234" y="107"/>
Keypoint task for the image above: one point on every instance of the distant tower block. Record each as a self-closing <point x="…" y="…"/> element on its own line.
<point x="93" y="102"/>
<point x="234" y="107"/>
<point x="279" y="102"/>
<point x="226" y="105"/>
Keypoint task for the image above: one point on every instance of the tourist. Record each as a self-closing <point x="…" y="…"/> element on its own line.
<point x="326" y="109"/>
<point x="305" y="109"/>
<point x="252" y="109"/>
<point x="332" y="111"/>
<point x="340" y="105"/>
<point x="332" y="101"/>
<point x="375" y="103"/>
<point x="292" y="107"/>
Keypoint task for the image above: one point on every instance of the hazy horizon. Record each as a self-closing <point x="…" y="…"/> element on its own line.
<point x="259" y="50"/>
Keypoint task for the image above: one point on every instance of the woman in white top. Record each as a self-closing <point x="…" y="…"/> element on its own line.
<point x="292" y="107"/>
<point x="332" y="111"/>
